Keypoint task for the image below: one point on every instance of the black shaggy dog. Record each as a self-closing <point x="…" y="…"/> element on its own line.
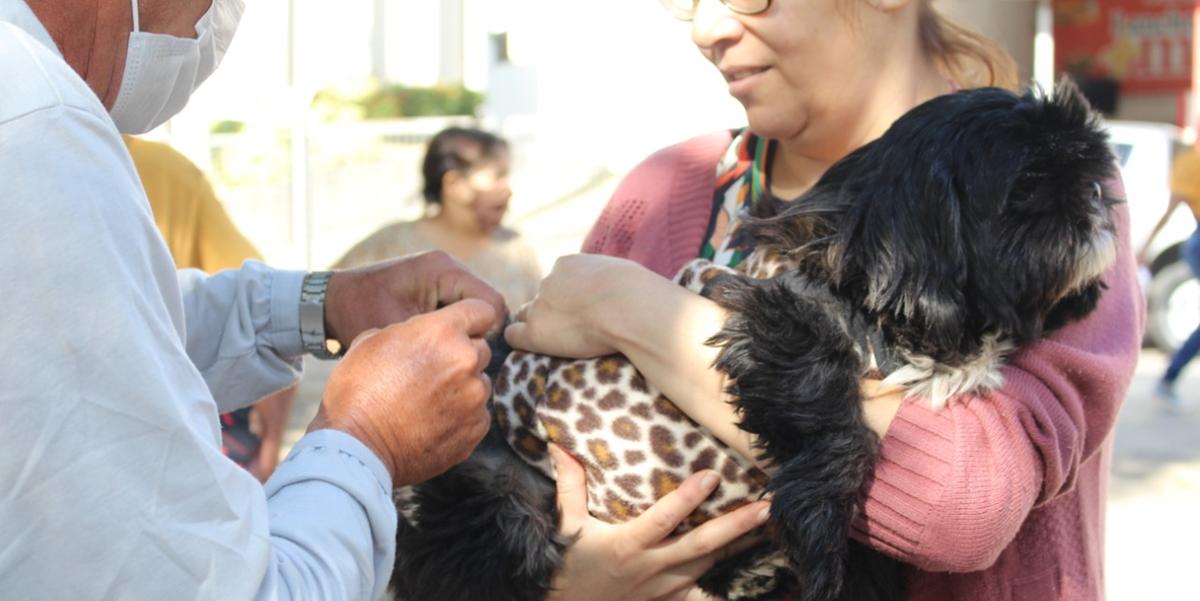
<point x="975" y="224"/>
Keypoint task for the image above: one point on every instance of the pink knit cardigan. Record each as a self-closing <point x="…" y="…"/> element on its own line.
<point x="994" y="498"/>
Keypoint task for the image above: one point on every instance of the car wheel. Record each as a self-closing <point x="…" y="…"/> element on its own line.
<point x="1173" y="302"/>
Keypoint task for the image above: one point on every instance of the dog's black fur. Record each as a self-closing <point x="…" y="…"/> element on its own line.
<point x="487" y="529"/>
<point x="968" y="219"/>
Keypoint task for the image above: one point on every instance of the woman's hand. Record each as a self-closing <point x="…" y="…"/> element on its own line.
<point x="635" y="561"/>
<point x="572" y="313"/>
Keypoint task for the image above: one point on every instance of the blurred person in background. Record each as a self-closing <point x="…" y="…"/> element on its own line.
<point x="466" y="190"/>
<point x="200" y="235"/>
<point x="992" y="498"/>
<point x="1185" y="191"/>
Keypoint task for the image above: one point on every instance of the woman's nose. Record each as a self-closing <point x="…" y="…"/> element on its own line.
<point x="714" y="25"/>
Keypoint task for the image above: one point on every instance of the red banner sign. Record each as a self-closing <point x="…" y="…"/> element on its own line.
<point x="1144" y="44"/>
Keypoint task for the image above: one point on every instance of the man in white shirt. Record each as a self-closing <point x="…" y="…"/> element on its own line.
<point x="112" y="484"/>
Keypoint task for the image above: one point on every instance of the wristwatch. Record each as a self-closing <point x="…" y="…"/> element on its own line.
<point x="312" y="316"/>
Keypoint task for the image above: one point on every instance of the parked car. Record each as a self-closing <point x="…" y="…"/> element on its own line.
<point x="1145" y="152"/>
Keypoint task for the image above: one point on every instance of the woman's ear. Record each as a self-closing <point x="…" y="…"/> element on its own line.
<point x="452" y="184"/>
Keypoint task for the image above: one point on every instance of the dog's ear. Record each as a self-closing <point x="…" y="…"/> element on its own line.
<point x="1056" y="222"/>
<point x="915" y="277"/>
<point x="899" y="250"/>
<point x="980" y="211"/>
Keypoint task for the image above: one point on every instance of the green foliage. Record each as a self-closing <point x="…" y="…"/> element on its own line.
<point x="396" y="101"/>
<point x="228" y="126"/>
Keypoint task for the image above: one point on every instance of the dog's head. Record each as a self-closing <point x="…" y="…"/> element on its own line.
<point x="978" y="215"/>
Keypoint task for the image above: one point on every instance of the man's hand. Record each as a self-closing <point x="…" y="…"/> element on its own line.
<point x="414" y="392"/>
<point x="393" y="291"/>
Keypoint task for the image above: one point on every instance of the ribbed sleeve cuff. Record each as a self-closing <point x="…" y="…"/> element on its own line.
<point x="909" y="480"/>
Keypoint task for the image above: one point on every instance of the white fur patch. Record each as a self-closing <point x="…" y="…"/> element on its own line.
<point x="1101" y="254"/>
<point x="405" y="500"/>
<point x="924" y="377"/>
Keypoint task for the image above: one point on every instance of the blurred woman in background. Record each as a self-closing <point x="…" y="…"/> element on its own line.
<point x="466" y="190"/>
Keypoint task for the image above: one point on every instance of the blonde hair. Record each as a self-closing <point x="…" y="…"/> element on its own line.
<point x="969" y="58"/>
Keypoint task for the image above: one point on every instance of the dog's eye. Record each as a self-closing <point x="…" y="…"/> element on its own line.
<point x="1097" y="191"/>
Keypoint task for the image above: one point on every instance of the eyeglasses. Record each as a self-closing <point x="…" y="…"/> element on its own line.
<point x="684" y="10"/>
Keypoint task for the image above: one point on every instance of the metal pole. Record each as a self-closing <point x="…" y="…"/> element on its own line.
<point x="301" y="202"/>
<point x="1043" y="46"/>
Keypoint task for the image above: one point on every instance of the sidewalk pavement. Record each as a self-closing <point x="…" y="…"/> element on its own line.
<point x="1154" y="499"/>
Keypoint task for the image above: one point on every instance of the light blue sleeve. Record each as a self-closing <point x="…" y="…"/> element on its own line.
<point x="243" y="330"/>
<point x="112" y="483"/>
<point x="332" y="475"/>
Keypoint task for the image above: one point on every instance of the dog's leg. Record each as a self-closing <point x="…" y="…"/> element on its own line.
<point x="485" y="530"/>
<point x="795" y="376"/>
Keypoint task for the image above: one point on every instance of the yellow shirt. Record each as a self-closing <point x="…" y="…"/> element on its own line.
<point x="197" y="229"/>
<point x="1185" y="180"/>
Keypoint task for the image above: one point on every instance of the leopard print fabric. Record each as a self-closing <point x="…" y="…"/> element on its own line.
<point x="634" y="444"/>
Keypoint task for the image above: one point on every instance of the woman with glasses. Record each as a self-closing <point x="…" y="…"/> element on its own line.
<point x="996" y="497"/>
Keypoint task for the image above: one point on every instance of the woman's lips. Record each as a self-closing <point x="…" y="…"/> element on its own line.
<point x="742" y="79"/>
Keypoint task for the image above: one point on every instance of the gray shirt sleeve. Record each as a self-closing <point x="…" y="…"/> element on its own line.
<point x="114" y="486"/>
<point x="243" y="330"/>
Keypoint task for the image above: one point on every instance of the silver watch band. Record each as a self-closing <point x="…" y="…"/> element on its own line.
<point x="312" y="315"/>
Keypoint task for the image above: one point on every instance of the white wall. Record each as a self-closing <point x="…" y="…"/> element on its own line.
<point x="619" y="79"/>
<point x="1012" y="23"/>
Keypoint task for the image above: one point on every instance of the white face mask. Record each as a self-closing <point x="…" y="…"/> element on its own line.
<point x="162" y="71"/>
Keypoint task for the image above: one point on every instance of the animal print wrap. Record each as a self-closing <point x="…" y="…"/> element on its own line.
<point x="634" y="444"/>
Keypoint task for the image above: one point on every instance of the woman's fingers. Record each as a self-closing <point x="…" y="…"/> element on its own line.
<point x="679" y="584"/>
<point x="572" y="491"/>
<point x="718" y="538"/>
<point x="523" y="313"/>
<point x="653" y="525"/>
<point x="694" y="553"/>
<point x="756" y="538"/>
<point x="517" y="335"/>
<point x="676" y="582"/>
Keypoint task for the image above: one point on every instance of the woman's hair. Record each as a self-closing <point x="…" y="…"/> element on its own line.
<point x="457" y="149"/>
<point x="968" y="58"/>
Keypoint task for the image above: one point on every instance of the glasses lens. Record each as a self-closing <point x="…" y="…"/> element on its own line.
<point x="686" y="9"/>
<point x="680" y="9"/>
<point x="747" y="7"/>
